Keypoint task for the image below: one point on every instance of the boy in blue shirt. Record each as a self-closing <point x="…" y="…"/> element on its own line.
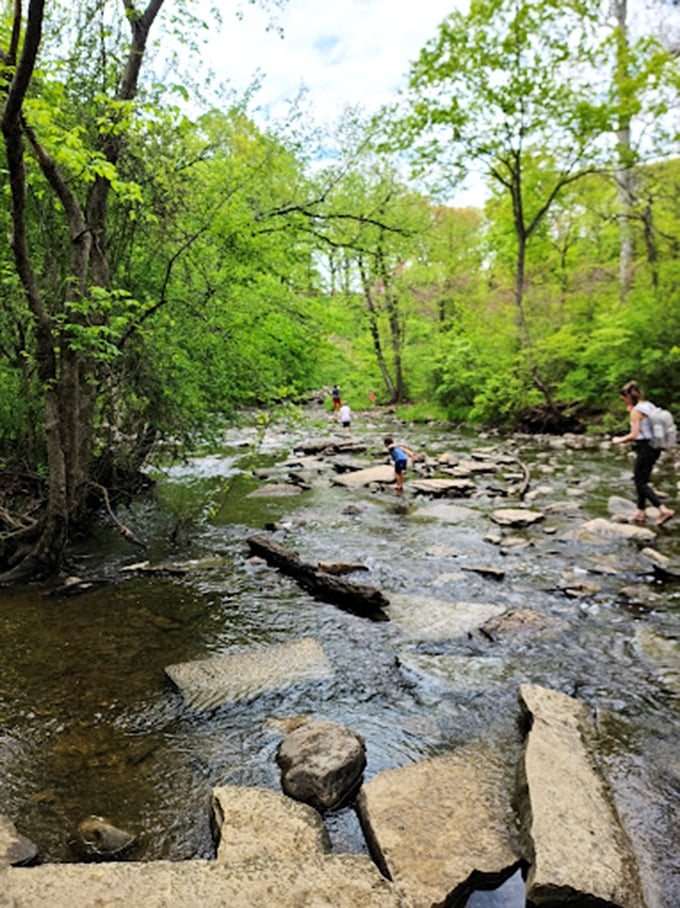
<point x="400" y="455"/>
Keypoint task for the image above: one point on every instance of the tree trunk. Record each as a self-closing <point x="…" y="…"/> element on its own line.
<point x="67" y="375"/>
<point x="375" y="332"/>
<point x="625" y="173"/>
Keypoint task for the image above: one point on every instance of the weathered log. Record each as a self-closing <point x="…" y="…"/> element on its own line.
<point x="366" y="601"/>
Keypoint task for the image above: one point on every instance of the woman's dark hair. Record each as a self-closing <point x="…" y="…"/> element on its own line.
<point x="632" y="391"/>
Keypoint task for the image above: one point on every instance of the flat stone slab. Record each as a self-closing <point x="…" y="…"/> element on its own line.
<point x="440" y="826"/>
<point x="444" y="488"/>
<point x="575" y="844"/>
<point x="427" y="618"/>
<point x="448" y="513"/>
<point x="516" y="517"/>
<point x="358" y="478"/>
<point x="603" y="531"/>
<point x="275" y="490"/>
<point x="244" y="673"/>
<point x="340" y="881"/>
<point x="260" y="823"/>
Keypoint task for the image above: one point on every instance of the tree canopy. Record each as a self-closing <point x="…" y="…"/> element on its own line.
<point x="173" y="261"/>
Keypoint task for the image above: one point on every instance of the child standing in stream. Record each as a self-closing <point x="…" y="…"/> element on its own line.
<point x="400" y="455"/>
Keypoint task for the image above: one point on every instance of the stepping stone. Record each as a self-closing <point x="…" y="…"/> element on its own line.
<point x="428" y="618"/>
<point x="516" y="517"/>
<point x="444" y="488"/>
<point x="574" y="842"/>
<point x="338" y="880"/>
<point x="358" y="478"/>
<point x="260" y="823"/>
<point x="245" y="673"/>
<point x="440" y="827"/>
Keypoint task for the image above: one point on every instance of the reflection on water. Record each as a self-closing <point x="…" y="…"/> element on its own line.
<point x="89" y="722"/>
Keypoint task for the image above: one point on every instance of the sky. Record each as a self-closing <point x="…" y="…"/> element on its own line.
<point x="354" y="52"/>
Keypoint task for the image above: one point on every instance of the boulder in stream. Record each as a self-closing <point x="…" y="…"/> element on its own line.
<point x="321" y="763"/>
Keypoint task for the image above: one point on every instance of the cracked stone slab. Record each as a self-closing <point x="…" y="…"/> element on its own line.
<point x="248" y="672"/>
<point x="573" y="839"/>
<point x="441" y="827"/>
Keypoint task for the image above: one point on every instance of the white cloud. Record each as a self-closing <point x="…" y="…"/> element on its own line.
<point x="343" y="52"/>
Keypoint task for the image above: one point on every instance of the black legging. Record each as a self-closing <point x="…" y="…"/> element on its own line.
<point x="645" y="458"/>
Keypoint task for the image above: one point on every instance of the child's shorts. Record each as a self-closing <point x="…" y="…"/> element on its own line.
<point x="400" y="466"/>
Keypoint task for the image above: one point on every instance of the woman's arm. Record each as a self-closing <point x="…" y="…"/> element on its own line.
<point x="635" y="422"/>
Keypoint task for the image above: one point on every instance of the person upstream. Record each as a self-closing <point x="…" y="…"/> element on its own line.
<point x="345" y="416"/>
<point x="646" y="456"/>
<point x="400" y="455"/>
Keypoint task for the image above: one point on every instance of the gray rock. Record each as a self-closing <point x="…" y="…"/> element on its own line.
<point x="428" y="618"/>
<point x="259" y="823"/>
<point x="663" y="652"/>
<point x="15" y="848"/>
<point x="444" y="488"/>
<point x="573" y="839"/>
<point x="321" y="763"/>
<point x="448" y="513"/>
<point x="243" y="673"/>
<point x="440" y="827"/>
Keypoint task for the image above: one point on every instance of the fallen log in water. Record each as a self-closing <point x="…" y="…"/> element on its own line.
<point x="362" y="600"/>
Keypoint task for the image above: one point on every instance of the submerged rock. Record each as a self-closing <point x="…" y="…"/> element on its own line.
<point x="15" y="849"/>
<point x="97" y="839"/>
<point x="248" y="672"/>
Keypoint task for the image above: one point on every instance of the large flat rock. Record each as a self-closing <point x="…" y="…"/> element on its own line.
<point x="440" y="827"/>
<point x="574" y="842"/>
<point x="245" y="673"/>
<point x="260" y="823"/>
<point x="358" y="478"/>
<point x="429" y="618"/>
<point x="330" y="881"/>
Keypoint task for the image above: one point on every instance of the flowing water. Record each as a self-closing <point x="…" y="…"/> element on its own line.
<point x="90" y="723"/>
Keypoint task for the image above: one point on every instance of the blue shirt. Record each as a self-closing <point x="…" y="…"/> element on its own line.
<point x="397" y="454"/>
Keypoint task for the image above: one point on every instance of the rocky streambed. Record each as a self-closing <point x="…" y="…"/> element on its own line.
<point x="505" y="563"/>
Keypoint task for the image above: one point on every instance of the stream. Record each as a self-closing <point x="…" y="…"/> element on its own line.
<point x="90" y="723"/>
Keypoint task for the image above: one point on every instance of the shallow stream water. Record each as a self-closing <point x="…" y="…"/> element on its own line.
<point x="90" y="723"/>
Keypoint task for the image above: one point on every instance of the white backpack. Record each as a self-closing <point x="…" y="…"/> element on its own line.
<point x="662" y="426"/>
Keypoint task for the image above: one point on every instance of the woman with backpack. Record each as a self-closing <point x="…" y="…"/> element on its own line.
<point x="646" y="455"/>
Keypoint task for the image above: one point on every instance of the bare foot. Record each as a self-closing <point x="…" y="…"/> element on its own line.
<point x="639" y="518"/>
<point x="666" y="515"/>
